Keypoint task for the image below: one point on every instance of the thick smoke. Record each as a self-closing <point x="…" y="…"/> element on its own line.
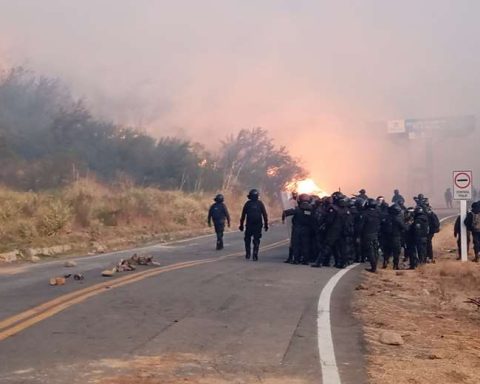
<point x="317" y="74"/>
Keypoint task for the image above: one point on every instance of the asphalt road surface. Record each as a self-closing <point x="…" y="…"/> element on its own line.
<point x="201" y="313"/>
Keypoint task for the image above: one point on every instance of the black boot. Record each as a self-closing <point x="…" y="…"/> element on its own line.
<point x="247" y="250"/>
<point x="256" y="247"/>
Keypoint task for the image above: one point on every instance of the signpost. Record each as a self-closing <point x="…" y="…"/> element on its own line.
<point x="462" y="190"/>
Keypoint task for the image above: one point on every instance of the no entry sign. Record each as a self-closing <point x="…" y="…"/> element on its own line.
<point x="462" y="185"/>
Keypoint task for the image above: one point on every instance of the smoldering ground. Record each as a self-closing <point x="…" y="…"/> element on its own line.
<point x="314" y="73"/>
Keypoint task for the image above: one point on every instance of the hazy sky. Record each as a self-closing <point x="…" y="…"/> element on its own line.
<point x="303" y="69"/>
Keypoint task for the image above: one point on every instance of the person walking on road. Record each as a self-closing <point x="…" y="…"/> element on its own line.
<point x="472" y="222"/>
<point x="218" y="212"/>
<point x="255" y="216"/>
<point x="448" y="198"/>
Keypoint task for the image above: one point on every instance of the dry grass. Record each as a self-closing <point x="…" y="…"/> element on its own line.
<point x="116" y="216"/>
<point x="427" y="307"/>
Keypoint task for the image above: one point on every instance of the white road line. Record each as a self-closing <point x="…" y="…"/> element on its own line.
<point x="448" y="217"/>
<point x="326" y="350"/>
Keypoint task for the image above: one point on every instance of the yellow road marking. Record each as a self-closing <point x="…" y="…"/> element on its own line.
<point x="26" y="319"/>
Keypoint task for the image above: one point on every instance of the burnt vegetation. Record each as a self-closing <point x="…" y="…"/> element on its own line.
<point x="48" y="139"/>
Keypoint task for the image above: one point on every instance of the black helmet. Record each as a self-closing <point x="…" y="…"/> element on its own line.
<point x="395" y="209"/>
<point x="360" y="203"/>
<point x="372" y="203"/>
<point x="253" y="194"/>
<point x="476" y="207"/>
<point x="219" y="198"/>
<point x="362" y="191"/>
<point x="343" y="201"/>
<point x="418" y="210"/>
<point x="336" y="196"/>
<point x="304" y="197"/>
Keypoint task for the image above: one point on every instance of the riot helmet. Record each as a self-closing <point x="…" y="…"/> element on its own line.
<point x="219" y="198"/>
<point x="371" y="203"/>
<point x="253" y="194"/>
<point x="395" y="209"/>
<point x="304" y="198"/>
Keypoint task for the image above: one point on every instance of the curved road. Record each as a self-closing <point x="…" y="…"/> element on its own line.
<point x="204" y="313"/>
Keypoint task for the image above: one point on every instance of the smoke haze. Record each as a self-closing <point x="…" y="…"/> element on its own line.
<point x="314" y="73"/>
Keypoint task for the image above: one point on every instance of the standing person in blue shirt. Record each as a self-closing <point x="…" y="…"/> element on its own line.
<point x="219" y="214"/>
<point x="256" y="217"/>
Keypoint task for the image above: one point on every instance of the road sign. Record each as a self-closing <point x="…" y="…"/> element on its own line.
<point x="462" y="185"/>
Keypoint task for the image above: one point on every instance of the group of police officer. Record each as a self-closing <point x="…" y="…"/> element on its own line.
<point x="340" y="229"/>
<point x="359" y="229"/>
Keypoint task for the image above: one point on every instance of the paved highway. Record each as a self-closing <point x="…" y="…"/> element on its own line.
<point x="206" y="310"/>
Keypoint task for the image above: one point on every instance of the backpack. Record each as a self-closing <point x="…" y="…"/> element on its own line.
<point x="475" y="222"/>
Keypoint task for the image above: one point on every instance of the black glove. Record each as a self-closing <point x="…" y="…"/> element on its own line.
<point x="266" y="227"/>
<point x="240" y="228"/>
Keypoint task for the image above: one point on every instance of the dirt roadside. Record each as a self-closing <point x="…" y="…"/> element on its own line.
<point x="440" y="333"/>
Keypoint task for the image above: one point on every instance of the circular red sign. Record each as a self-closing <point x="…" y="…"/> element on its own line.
<point x="462" y="178"/>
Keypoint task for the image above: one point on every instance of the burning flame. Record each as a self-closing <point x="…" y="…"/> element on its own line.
<point x="307" y="186"/>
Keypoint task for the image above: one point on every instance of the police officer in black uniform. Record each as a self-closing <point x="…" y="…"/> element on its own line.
<point x="420" y="230"/>
<point x="218" y="212"/>
<point x="256" y="217"/>
<point x="302" y="222"/>
<point x="369" y="230"/>
<point x="394" y="235"/>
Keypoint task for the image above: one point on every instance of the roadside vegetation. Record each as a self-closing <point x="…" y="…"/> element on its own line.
<point x="95" y="217"/>
<point x="69" y="177"/>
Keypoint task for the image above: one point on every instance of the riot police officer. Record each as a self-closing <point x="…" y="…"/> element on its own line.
<point x="218" y="212"/>
<point x="256" y="217"/>
<point x="369" y="230"/>
<point x="302" y="223"/>
<point x="394" y="235"/>
<point x="420" y="230"/>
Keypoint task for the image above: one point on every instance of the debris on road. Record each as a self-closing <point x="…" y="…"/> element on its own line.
<point x="57" y="281"/>
<point x="70" y="263"/>
<point x="109" y="272"/>
<point x="78" y="276"/>
<point x="128" y="265"/>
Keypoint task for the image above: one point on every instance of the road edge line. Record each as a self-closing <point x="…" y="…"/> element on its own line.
<point x="326" y="349"/>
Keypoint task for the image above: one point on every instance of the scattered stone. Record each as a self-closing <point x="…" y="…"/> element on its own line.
<point x="361" y="287"/>
<point x="391" y="338"/>
<point x="109" y="272"/>
<point x="70" y="263"/>
<point x="10" y="257"/>
<point x="35" y="259"/>
<point x="426" y="292"/>
<point x="59" y="280"/>
<point x="78" y="276"/>
<point x="435" y="356"/>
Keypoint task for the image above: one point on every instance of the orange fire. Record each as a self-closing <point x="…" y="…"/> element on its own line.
<point x="306" y="186"/>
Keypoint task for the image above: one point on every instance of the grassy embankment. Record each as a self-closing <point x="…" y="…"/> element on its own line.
<point x="427" y="308"/>
<point x="91" y="217"/>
